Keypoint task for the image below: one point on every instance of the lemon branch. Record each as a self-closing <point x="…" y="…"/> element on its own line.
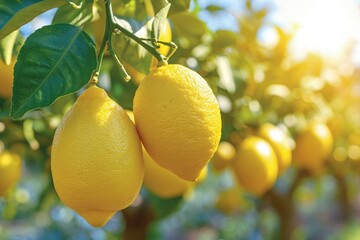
<point x="113" y="27"/>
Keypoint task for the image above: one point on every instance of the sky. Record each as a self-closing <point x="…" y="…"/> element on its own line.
<point x="325" y="27"/>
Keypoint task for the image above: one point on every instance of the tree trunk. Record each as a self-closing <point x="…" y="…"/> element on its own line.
<point x="137" y="220"/>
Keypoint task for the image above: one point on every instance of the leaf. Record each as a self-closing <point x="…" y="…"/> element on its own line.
<point x="14" y="14"/>
<point x="179" y="6"/>
<point x="7" y="46"/>
<point x="223" y="39"/>
<point x="189" y="37"/>
<point x="68" y="14"/>
<point x="131" y="52"/>
<point x="55" y="60"/>
<point x="159" y="21"/>
<point x="214" y="8"/>
<point x="163" y="207"/>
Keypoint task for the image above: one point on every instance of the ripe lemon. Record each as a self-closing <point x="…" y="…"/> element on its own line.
<point x="223" y="156"/>
<point x="10" y="171"/>
<point x="6" y="79"/>
<point x="255" y="165"/>
<point x="313" y="146"/>
<point x="178" y="119"/>
<point x="161" y="181"/>
<point x="96" y="160"/>
<point x="279" y="143"/>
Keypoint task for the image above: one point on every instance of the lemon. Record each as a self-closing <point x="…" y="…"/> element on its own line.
<point x="161" y="181"/>
<point x="229" y="201"/>
<point x="313" y="146"/>
<point x="255" y="165"/>
<point x="223" y="156"/>
<point x="178" y="119"/>
<point x="279" y="143"/>
<point x="6" y="79"/>
<point x="96" y="158"/>
<point x="10" y="171"/>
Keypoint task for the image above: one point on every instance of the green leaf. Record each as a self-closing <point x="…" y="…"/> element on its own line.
<point x="131" y="52"/>
<point x="179" y="6"/>
<point x="214" y="8"/>
<point x="55" y="60"/>
<point x="189" y="37"/>
<point x="14" y="14"/>
<point x="7" y="46"/>
<point x="159" y="21"/>
<point x="69" y="14"/>
<point x="223" y="39"/>
<point x="163" y="207"/>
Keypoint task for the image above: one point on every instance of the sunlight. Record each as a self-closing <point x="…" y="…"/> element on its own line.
<point x="324" y="27"/>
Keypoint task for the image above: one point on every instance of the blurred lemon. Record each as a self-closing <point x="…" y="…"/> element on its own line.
<point x="96" y="158"/>
<point x="313" y="146"/>
<point x="223" y="156"/>
<point x="6" y="79"/>
<point x="10" y="171"/>
<point x="255" y="165"/>
<point x="279" y="143"/>
<point x="229" y="201"/>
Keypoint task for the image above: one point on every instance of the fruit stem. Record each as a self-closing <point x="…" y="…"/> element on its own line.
<point x="115" y="27"/>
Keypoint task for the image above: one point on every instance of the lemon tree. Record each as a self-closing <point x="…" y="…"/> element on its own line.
<point x="235" y="136"/>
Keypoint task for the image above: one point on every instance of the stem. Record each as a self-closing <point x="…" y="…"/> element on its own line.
<point x="149" y="48"/>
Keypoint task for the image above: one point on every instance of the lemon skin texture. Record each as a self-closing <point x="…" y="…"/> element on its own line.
<point x="313" y="146"/>
<point x="178" y="119"/>
<point x="96" y="161"/>
<point x="10" y="171"/>
<point x="255" y="165"/>
<point x="6" y="79"/>
<point x="279" y="143"/>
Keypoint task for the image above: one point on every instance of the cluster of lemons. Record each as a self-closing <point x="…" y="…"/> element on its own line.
<point x="97" y="159"/>
<point x="258" y="160"/>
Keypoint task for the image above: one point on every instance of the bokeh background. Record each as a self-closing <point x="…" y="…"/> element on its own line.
<point x="287" y="62"/>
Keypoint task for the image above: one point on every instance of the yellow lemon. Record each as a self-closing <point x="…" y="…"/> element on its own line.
<point x="6" y="79"/>
<point x="96" y="158"/>
<point x="229" y="201"/>
<point x="223" y="156"/>
<point x="255" y="165"/>
<point x="279" y="143"/>
<point x="178" y="119"/>
<point x="10" y="171"/>
<point x="313" y="146"/>
<point x="161" y="181"/>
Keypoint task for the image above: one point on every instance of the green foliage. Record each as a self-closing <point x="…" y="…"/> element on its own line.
<point x="14" y="14"/>
<point x="45" y="72"/>
<point x="78" y="17"/>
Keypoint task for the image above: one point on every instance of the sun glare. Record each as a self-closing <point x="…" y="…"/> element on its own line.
<point x="324" y="27"/>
